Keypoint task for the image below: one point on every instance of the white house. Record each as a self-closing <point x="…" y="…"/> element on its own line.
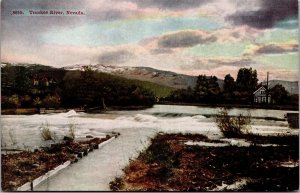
<point x="260" y="95"/>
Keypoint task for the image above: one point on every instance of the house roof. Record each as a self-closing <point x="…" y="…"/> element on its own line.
<point x="260" y="88"/>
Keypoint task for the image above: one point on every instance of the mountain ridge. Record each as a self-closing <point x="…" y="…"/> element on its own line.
<point x="169" y="78"/>
<point x="163" y="77"/>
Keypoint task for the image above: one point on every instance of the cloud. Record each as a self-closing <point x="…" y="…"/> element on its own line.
<point x="275" y="49"/>
<point x="237" y="34"/>
<point x="161" y="51"/>
<point x="172" y="4"/>
<point x="232" y="62"/>
<point x="115" y="57"/>
<point x="212" y="63"/>
<point x="270" y="12"/>
<point x="185" y="39"/>
<point x="271" y="49"/>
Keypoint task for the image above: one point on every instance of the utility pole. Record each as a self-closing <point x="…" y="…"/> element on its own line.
<point x="267" y="88"/>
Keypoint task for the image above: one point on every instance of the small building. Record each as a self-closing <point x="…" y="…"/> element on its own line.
<point x="260" y="95"/>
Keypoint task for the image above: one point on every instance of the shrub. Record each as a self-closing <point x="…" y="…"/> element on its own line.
<point x="51" y="101"/>
<point x="117" y="184"/>
<point x="232" y="126"/>
<point x="26" y="101"/>
<point x="12" y="135"/>
<point x="46" y="133"/>
<point x="13" y="101"/>
<point x="72" y="128"/>
<point x="37" y="102"/>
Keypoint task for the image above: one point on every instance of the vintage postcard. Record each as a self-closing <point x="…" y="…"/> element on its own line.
<point x="149" y="95"/>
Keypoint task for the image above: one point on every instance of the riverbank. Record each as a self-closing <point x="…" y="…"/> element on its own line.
<point x="177" y="162"/>
<point x="27" y="166"/>
<point x="248" y="106"/>
<point x="31" y="111"/>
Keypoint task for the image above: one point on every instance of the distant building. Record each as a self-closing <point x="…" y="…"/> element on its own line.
<point x="260" y="95"/>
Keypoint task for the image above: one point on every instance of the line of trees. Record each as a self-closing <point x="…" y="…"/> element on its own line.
<point x="239" y="91"/>
<point x="41" y="86"/>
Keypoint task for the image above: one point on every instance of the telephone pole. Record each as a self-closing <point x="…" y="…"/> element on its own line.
<point x="267" y="88"/>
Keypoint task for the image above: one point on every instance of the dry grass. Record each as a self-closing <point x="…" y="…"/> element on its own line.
<point x="233" y="126"/>
<point x="170" y="165"/>
<point x="45" y="132"/>
<point x="72" y="129"/>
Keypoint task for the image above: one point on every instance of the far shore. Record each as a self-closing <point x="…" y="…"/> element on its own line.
<point x="249" y="106"/>
<point x="31" y="111"/>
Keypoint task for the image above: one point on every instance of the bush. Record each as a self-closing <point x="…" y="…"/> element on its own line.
<point x="51" y="101"/>
<point x="117" y="184"/>
<point x="13" y="101"/>
<point x="72" y="128"/>
<point x="232" y="126"/>
<point x="37" y="102"/>
<point x="46" y="133"/>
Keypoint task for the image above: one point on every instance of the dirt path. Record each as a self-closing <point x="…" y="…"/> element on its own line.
<point x="94" y="172"/>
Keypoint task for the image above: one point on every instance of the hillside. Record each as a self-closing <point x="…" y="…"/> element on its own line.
<point x="166" y="78"/>
<point x="291" y="86"/>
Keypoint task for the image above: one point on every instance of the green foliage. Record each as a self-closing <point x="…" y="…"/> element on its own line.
<point x="182" y="95"/>
<point x="279" y="94"/>
<point x="232" y="126"/>
<point x="13" y="101"/>
<point x="51" y="101"/>
<point x="247" y="80"/>
<point x="90" y="89"/>
<point x="159" y="91"/>
<point x="207" y="89"/>
<point x="37" y="102"/>
<point x="15" y="79"/>
<point x="229" y="84"/>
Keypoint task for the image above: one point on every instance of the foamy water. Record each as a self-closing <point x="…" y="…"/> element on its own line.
<point x="25" y="130"/>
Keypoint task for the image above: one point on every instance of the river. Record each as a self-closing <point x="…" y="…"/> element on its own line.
<point x="95" y="171"/>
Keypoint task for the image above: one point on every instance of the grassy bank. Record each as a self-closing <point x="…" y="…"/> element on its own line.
<point x="171" y="165"/>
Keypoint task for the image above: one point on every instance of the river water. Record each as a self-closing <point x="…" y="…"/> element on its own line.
<point x="95" y="171"/>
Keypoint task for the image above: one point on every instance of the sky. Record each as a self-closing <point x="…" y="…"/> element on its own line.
<point x="212" y="37"/>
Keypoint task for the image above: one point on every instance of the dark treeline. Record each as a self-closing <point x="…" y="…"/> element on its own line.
<point x="239" y="91"/>
<point x="47" y="87"/>
<point x="41" y="86"/>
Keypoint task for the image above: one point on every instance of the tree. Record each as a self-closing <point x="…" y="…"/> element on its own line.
<point x="22" y="81"/>
<point x="200" y="90"/>
<point x="229" y="91"/>
<point x="207" y="89"/>
<point x="279" y="94"/>
<point x="182" y="95"/>
<point x="229" y="84"/>
<point x="246" y="84"/>
<point x="247" y="80"/>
